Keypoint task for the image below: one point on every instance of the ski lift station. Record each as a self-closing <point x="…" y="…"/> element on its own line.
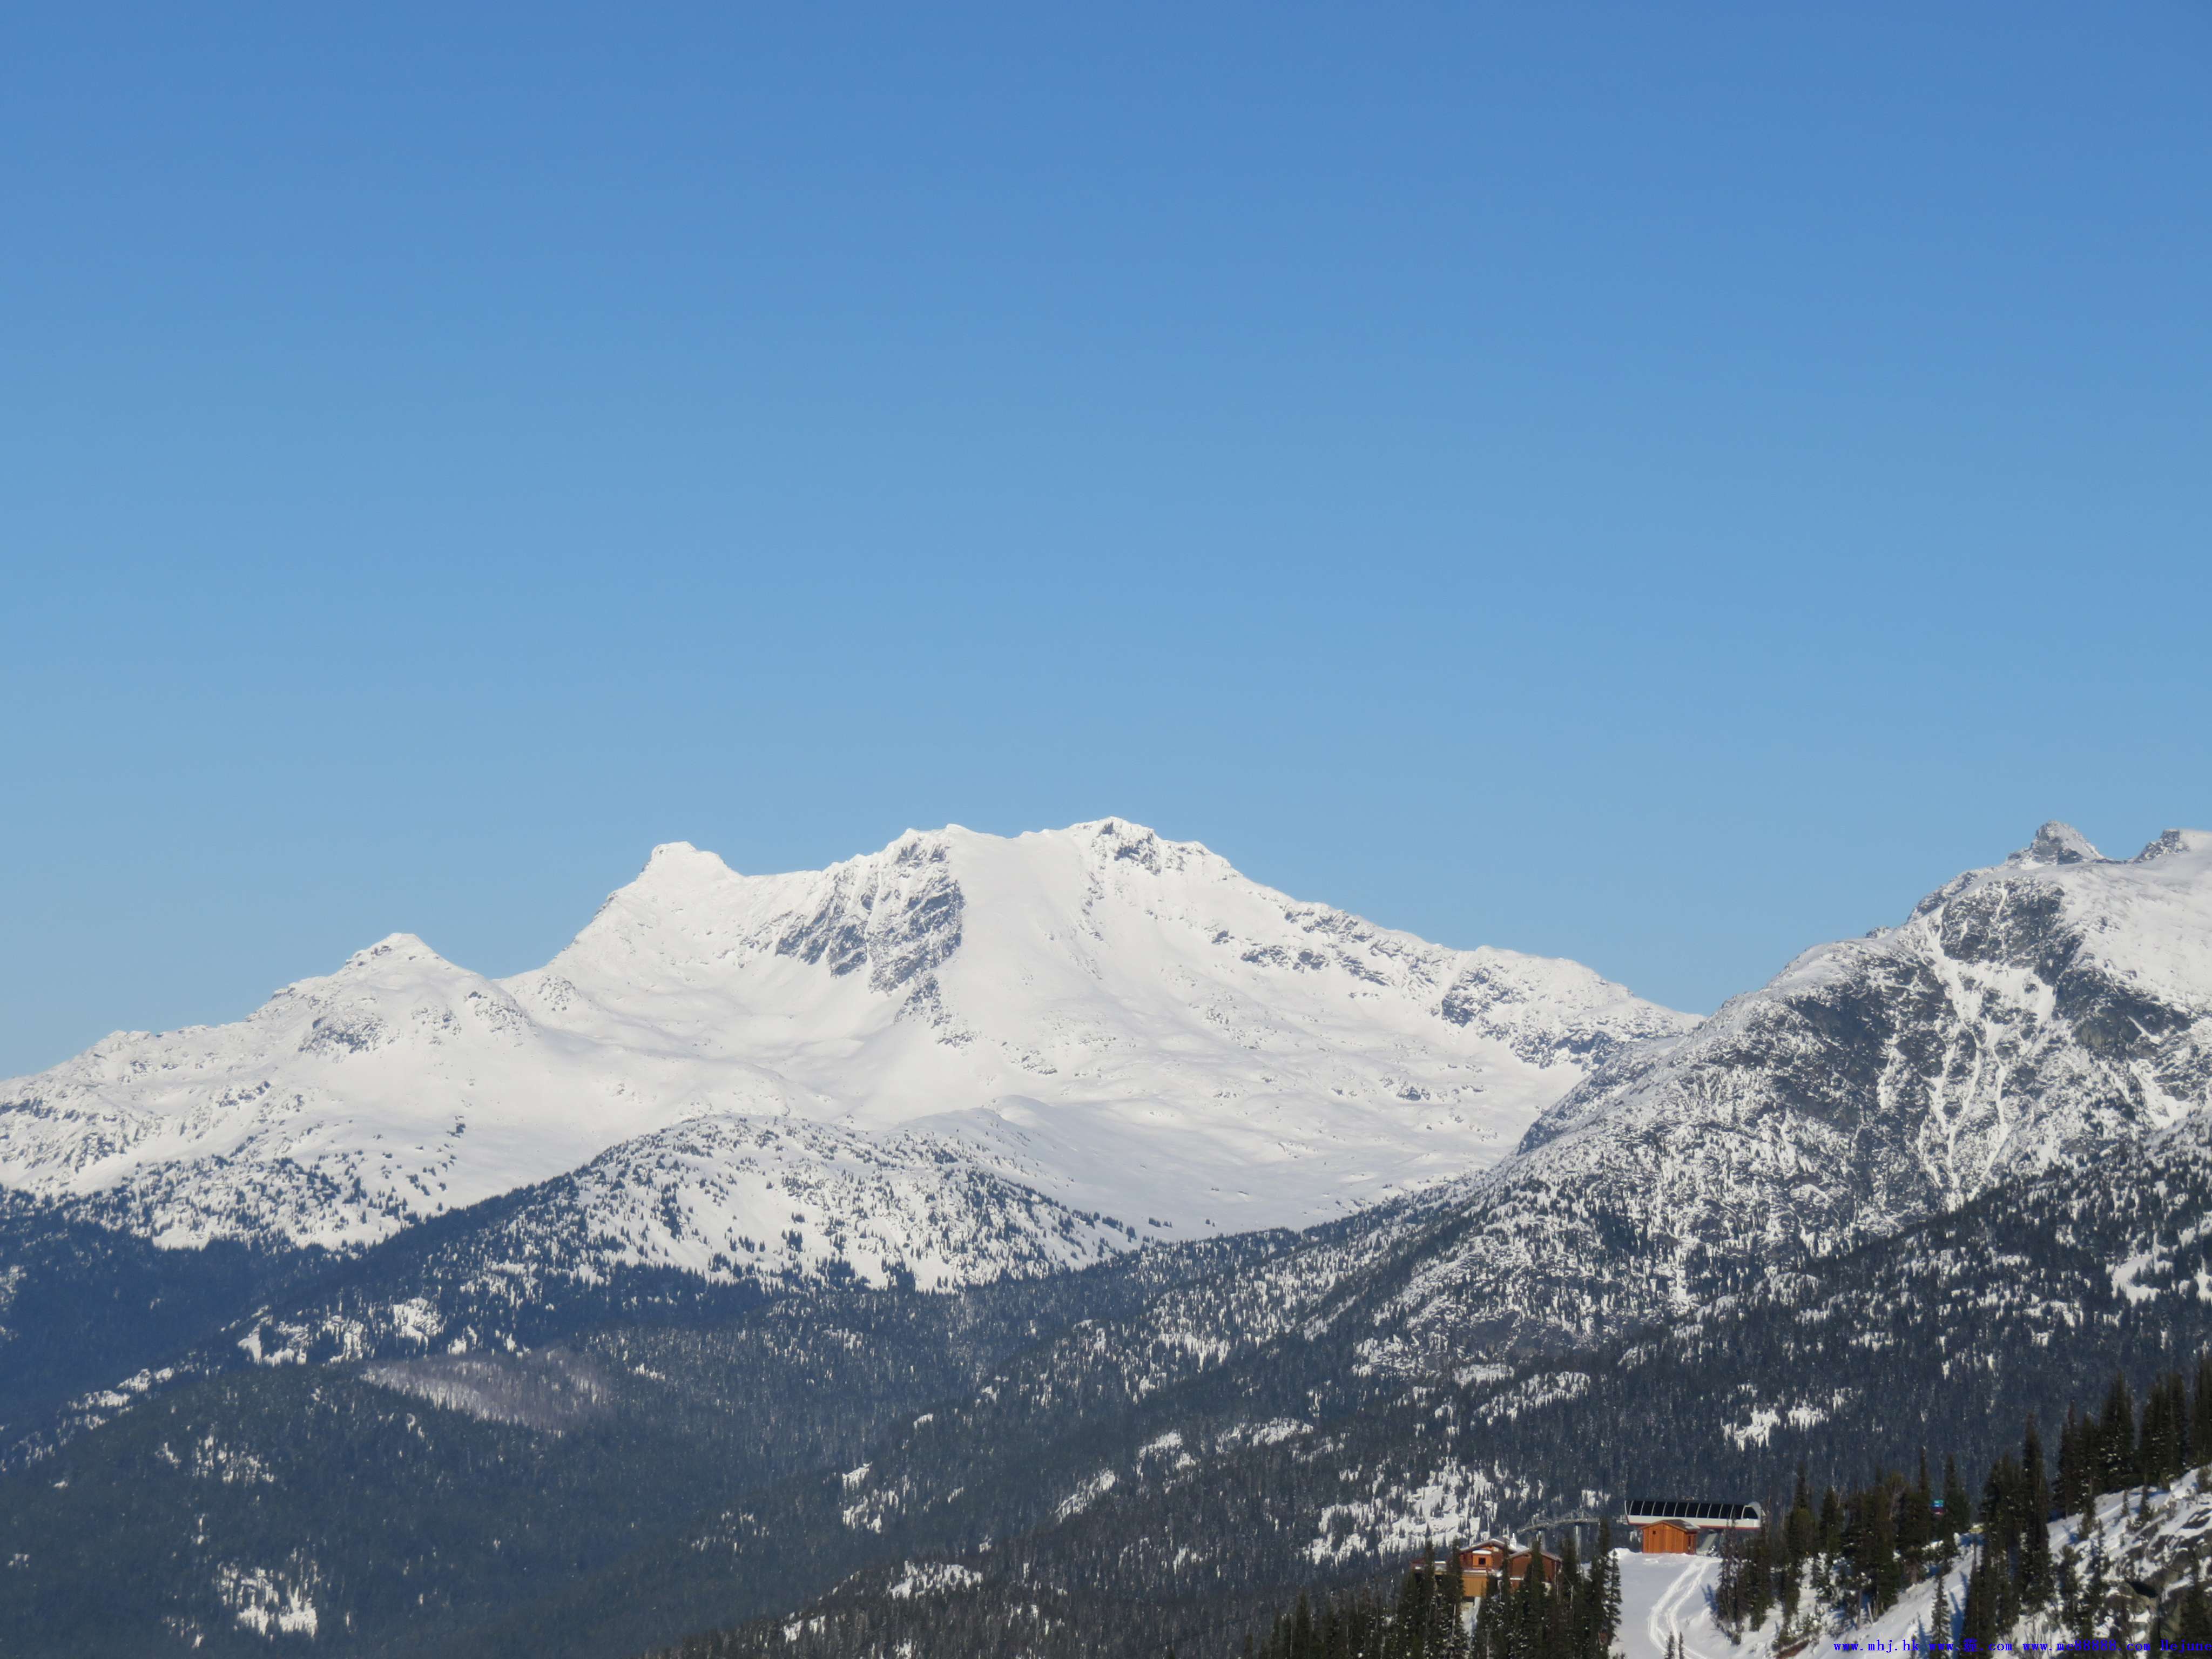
<point x="1681" y="1526"/>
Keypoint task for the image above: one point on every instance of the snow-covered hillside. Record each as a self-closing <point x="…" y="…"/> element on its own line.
<point x="2030" y="1017"/>
<point x="1121" y="1023"/>
<point x="2022" y="1017"/>
<point x="2132" y="1560"/>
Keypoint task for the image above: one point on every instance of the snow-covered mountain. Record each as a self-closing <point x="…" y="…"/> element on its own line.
<point x="1922" y="1184"/>
<point x="1122" y="1026"/>
<point x="2030" y="1017"/>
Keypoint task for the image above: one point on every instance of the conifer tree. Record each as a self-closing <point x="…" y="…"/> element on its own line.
<point x="1788" y="1556"/>
<point x="1831" y="1524"/>
<point x="2095" y="1586"/>
<point x="1802" y="1532"/>
<point x="2151" y="1448"/>
<point x="2200" y="1417"/>
<point x="2116" y="1437"/>
<point x="1882" y="1569"/>
<point x="1558" y="1639"/>
<point x="1447" y="1632"/>
<point x="2077" y="1485"/>
<point x="2166" y="1448"/>
<point x="2036" y="1582"/>
<point x="1728" y="1592"/>
<point x="2192" y="1620"/>
<point x="2068" y="1577"/>
<point x="1916" y="1517"/>
<point x="2004" y="1511"/>
<point x="1978" y="1624"/>
<point x="1759" y="1577"/>
<point x="2000" y="1510"/>
<point x="1958" y="1508"/>
<point x="1529" y="1610"/>
<point x="1495" y="1626"/>
<point x="1609" y="1594"/>
<point x="1416" y="1622"/>
<point x="1580" y="1616"/>
<point x="2173" y="1453"/>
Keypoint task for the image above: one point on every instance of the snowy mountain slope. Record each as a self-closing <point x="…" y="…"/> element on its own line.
<point x="2032" y="1016"/>
<point x="725" y="1196"/>
<point x="342" y="1110"/>
<point x="779" y="1203"/>
<point x="1124" y="1021"/>
<point x="2160" y="1548"/>
<point x="1147" y="1465"/>
<point x="1214" y="1465"/>
<point x="1122" y="1024"/>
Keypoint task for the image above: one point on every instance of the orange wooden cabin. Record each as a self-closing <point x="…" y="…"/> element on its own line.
<point x="1494" y="1564"/>
<point x="1677" y="1526"/>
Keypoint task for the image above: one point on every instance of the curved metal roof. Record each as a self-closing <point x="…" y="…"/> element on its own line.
<point x="1697" y="1512"/>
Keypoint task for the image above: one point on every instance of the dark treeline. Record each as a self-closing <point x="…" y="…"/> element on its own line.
<point x="2109" y="1453"/>
<point x="1854" y="1551"/>
<point x="1865" y="1546"/>
<point x="1571" y="1617"/>
<point x="709" y="1496"/>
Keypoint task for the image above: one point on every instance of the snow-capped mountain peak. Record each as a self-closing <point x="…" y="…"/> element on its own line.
<point x="2175" y="841"/>
<point x="1120" y="1022"/>
<point x="676" y="870"/>
<point x="2056" y="843"/>
<point x="2029" y="1016"/>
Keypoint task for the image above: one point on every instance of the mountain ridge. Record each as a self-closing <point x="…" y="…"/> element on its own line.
<point x="1122" y="1024"/>
<point x="1927" y="1176"/>
<point x="2034" y="1015"/>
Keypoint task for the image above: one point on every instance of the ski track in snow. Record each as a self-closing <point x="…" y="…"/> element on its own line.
<point x="1690" y="1584"/>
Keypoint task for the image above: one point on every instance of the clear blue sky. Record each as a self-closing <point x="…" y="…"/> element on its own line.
<point x="1662" y="484"/>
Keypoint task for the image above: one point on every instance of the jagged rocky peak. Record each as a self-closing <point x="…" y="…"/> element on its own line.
<point x="2031" y="1016"/>
<point x="2057" y="843"/>
<point x="1122" y="843"/>
<point x="896" y="914"/>
<point x="2171" y="841"/>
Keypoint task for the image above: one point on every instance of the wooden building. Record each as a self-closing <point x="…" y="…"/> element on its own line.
<point x="1680" y="1526"/>
<point x="1496" y="1564"/>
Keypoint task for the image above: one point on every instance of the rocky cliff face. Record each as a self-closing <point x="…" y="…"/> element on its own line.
<point x="2037" y="1015"/>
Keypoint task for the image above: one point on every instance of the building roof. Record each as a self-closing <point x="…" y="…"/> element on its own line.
<point x="1695" y="1511"/>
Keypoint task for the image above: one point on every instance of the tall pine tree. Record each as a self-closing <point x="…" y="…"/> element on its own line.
<point x="2036" y="1578"/>
<point x="2116" y="1437"/>
<point x="2200" y="1416"/>
<point x="1958" y="1508"/>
